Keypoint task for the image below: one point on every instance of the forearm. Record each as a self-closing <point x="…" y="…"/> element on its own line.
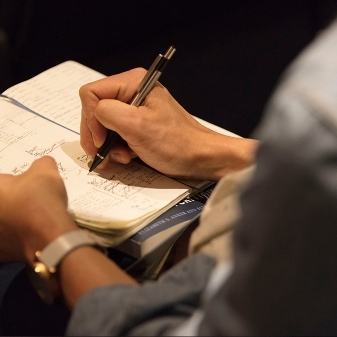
<point x="152" y="309"/>
<point x="83" y="268"/>
<point x="87" y="268"/>
<point x="218" y="155"/>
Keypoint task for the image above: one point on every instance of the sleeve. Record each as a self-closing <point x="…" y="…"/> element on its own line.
<point x="283" y="278"/>
<point x="284" y="272"/>
<point x="155" y="308"/>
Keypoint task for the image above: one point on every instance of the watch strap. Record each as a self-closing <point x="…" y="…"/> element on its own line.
<point x="55" y="251"/>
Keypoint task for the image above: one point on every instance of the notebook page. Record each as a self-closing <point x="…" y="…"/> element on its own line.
<point x="54" y="92"/>
<point x="113" y="197"/>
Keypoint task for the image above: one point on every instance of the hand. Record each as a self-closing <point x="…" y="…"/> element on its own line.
<point x="161" y="132"/>
<point x="33" y="211"/>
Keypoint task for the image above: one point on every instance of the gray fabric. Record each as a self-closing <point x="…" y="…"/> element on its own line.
<point x="152" y="309"/>
<point x="213" y="236"/>
<point x="285" y="259"/>
<point x="284" y="278"/>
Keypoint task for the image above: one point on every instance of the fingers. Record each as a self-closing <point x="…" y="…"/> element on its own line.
<point x="121" y="154"/>
<point x="40" y="176"/>
<point x="44" y="164"/>
<point x="118" y="116"/>
<point x="88" y="140"/>
<point x="43" y="167"/>
<point x="43" y="177"/>
<point x="112" y="115"/>
<point x="121" y="87"/>
<point x="33" y="210"/>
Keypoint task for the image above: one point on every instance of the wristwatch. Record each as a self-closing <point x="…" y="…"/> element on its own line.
<point x="42" y="273"/>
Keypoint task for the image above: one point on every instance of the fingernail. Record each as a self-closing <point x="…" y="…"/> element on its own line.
<point x="116" y="156"/>
<point x="94" y="140"/>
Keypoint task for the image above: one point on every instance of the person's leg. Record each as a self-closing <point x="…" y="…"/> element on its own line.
<point x="8" y="271"/>
<point x="21" y="310"/>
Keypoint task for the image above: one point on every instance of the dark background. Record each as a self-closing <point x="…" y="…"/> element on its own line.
<point x="229" y="56"/>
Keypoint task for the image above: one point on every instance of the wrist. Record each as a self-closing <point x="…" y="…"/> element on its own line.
<point x="43" y="272"/>
<point x="44" y="230"/>
<point x="220" y="155"/>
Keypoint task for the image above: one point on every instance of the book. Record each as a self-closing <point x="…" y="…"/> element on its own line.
<point x="41" y="116"/>
<point x="146" y="251"/>
<point x="163" y="230"/>
<point x="167" y="227"/>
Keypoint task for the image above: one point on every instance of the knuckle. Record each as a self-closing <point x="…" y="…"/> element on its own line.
<point x="83" y="90"/>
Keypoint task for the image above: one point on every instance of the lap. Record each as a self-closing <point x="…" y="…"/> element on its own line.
<point x="22" y="312"/>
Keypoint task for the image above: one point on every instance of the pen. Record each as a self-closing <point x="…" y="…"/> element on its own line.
<point x="143" y="89"/>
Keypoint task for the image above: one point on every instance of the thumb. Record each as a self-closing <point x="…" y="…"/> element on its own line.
<point x="118" y="116"/>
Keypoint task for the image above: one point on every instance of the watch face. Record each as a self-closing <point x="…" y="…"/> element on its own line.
<point x="44" y="282"/>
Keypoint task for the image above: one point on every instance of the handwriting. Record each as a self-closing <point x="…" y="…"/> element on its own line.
<point x="94" y="201"/>
<point x="20" y="169"/>
<point x="54" y="94"/>
<point x="84" y="158"/>
<point x="39" y="152"/>
<point x="116" y="196"/>
<point x="128" y="181"/>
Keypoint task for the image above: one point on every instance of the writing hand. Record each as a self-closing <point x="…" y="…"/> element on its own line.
<point x="161" y="132"/>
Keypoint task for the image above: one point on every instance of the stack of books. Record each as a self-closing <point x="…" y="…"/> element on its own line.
<point x="143" y="254"/>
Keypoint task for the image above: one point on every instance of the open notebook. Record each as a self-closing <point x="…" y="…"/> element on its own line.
<point x="41" y="116"/>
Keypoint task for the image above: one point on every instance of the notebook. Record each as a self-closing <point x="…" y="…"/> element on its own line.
<point x="41" y="116"/>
